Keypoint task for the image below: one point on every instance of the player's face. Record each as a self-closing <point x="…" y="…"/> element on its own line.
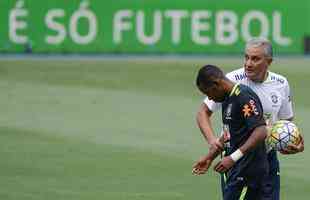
<point x="256" y="63"/>
<point x="214" y="92"/>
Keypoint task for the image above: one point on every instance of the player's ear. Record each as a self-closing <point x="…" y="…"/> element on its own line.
<point x="217" y="82"/>
<point x="269" y="60"/>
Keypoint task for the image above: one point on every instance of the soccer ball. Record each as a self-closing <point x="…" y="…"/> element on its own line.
<point x="281" y="134"/>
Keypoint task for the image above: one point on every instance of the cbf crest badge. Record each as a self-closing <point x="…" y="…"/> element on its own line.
<point x="274" y="98"/>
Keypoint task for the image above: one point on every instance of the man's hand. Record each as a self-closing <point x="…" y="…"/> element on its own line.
<point x="225" y="164"/>
<point x="202" y="165"/>
<point x="217" y="144"/>
<point x="293" y="149"/>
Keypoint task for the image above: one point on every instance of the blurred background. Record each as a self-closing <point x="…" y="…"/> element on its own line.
<point x="99" y="101"/>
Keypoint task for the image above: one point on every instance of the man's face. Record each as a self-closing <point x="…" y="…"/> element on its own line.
<point x="214" y="92"/>
<point x="256" y="63"/>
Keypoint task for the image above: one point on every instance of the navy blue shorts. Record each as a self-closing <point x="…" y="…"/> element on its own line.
<point x="240" y="190"/>
<point x="271" y="183"/>
<point x="270" y="188"/>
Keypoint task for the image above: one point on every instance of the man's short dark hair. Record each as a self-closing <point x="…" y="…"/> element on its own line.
<point x="208" y="74"/>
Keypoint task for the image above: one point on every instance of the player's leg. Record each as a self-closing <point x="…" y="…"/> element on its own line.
<point x="233" y="193"/>
<point x="224" y="175"/>
<point x="267" y="187"/>
<point x="276" y="183"/>
<point x="239" y="188"/>
<point x="250" y="188"/>
<point x="234" y="190"/>
<point x="256" y="189"/>
<point x="274" y="174"/>
<point x="223" y="183"/>
<point x="252" y="193"/>
<point x="264" y="188"/>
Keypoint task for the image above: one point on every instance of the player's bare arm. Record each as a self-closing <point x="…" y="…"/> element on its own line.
<point x="204" y="123"/>
<point x="258" y="136"/>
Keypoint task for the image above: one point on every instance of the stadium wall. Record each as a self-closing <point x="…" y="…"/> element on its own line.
<point x="153" y="26"/>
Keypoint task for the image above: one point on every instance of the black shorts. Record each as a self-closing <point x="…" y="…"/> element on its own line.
<point x="270" y="185"/>
<point x="240" y="189"/>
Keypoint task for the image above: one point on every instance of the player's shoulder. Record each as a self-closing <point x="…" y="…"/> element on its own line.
<point x="237" y="75"/>
<point x="244" y="89"/>
<point x="277" y="78"/>
<point x="245" y="92"/>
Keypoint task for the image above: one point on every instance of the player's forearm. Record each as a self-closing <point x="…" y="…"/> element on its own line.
<point x="206" y="129"/>
<point x="204" y="123"/>
<point x="258" y="136"/>
<point x="213" y="153"/>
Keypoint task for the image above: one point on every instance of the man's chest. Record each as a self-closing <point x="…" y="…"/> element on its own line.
<point x="270" y="95"/>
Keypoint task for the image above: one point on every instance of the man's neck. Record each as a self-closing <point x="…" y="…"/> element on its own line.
<point x="263" y="79"/>
<point x="229" y="86"/>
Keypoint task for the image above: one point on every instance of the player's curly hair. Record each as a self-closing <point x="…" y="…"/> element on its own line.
<point x="208" y="74"/>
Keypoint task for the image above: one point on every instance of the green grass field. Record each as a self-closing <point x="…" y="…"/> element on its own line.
<point x="120" y="129"/>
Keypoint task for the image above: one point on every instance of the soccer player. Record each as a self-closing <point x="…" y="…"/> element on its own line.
<point x="274" y="93"/>
<point x="242" y="116"/>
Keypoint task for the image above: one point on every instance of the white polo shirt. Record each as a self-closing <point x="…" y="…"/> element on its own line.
<point x="274" y="94"/>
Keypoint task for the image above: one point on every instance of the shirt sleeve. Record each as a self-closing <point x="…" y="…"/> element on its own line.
<point x="286" y="109"/>
<point x="252" y="111"/>
<point x="212" y="105"/>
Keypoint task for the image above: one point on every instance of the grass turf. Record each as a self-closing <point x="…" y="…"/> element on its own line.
<point x="119" y="129"/>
